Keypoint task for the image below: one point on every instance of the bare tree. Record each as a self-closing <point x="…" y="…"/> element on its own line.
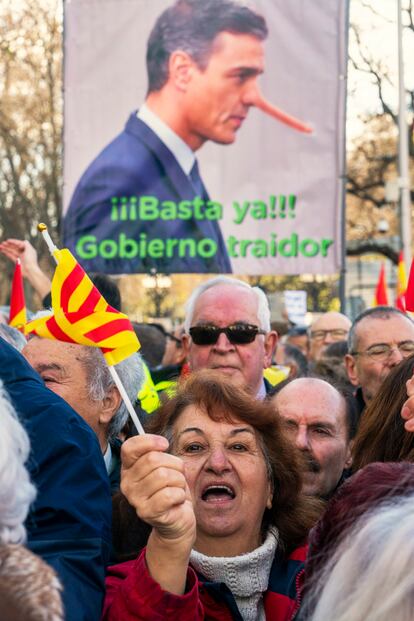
<point x="373" y="159"/>
<point x="30" y="122"/>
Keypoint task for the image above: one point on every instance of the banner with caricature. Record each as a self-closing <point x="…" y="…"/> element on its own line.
<point x="203" y="136"/>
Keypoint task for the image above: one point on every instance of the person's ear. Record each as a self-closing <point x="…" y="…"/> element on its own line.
<point x="185" y="342"/>
<point x="179" y="355"/>
<point x="351" y="369"/>
<point x="110" y="405"/>
<point x="180" y="69"/>
<point x="270" y="343"/>
<point x="348" y="460"/>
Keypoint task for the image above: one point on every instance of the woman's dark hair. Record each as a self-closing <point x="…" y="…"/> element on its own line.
<point x="381" y="435"/>
<point x="292" y="513"/>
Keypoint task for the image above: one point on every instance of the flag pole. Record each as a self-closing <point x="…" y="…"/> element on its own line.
<point x="126" y="399"/>
<point x="403" y="150"/>
<point x="42" y="228"/>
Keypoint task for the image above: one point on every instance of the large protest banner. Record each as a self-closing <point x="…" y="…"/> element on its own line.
<point x="274" y="194"/>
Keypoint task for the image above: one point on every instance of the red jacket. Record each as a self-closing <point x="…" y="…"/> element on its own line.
<point x="132" y="595"/>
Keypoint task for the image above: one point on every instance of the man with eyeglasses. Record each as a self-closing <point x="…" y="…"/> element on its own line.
<point x="326" y="329"/>
<point x="379" y="339"/>
<point x="227" y="328"/>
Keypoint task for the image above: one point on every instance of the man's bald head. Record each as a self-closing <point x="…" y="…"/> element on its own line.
<point x="316" y="418"/>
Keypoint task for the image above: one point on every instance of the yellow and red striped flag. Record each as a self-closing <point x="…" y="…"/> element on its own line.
<point x="401" y="283"/>
<point x="381" y="295"/>
<point x="409" y="294"/>
<point x="17" y="315"/>
<point x="81" y="315"/>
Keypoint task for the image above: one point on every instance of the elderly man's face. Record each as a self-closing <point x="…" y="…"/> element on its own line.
<point x="218" y="98"/>
<point x="62" y="370"/>
<point x="314" y="416"/>
<point x="330" y="327"/>
<point x="368" y="367"/>
<point x="222" y="306"/>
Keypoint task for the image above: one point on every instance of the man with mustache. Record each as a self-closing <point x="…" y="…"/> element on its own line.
<point x="203" y="61"/>
<point x="322" y="423"/>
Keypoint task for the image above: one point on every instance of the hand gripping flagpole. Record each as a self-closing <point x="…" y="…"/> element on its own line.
<point x="42" y="228"/>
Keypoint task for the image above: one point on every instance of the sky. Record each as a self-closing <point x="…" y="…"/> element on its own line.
<point x="376" y="21"/>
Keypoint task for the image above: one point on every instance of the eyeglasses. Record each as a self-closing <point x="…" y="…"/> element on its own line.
<point x="383" y="351"/>
<point x="336" y="335"/>
<point x="237" y="333"/>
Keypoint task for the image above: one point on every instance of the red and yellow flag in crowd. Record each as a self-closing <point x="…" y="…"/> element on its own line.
<point x="409" y="294"/>
<point x="81" y="315"/>
<point x="17" y="315"/>
<point x="381" y="296"/>
<point x="401" y="283"/>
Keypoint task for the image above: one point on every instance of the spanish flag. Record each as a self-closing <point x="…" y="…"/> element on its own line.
<point x="401" y="283"/>
<point x="409" y="294"/>
<point x="381" y="296"/>
<point x="81" y="315"/>
<point x="17" y="316"/>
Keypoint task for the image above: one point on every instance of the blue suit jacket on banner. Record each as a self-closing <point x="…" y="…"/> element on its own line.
<point x="136" y="164"/>
<point x="69" y="524"/>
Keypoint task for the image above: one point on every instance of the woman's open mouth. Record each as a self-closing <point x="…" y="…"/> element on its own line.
<point x="218" y="493"/>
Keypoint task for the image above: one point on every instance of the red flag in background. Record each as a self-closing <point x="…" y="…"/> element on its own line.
<point x="401" y="283"/>
<point x="409" y="294"/>
<point x="381" y="296"/>
<point x="17" y="316"/>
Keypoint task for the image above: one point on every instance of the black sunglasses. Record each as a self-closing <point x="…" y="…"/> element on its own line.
<point x="237" y="333"/>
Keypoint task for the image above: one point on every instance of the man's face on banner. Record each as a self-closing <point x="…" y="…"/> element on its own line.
<point x="219" y="97"/>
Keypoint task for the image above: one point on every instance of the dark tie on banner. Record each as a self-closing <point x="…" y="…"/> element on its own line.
<point x="197" y="182"/>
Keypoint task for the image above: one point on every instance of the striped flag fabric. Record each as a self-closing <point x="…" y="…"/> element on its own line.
<point x="401" y="283"/>
<point x="81" y="314"/>
<point x="17" y="315"/>
<point x="381" y="295"/>
<point x="409" y="294"/>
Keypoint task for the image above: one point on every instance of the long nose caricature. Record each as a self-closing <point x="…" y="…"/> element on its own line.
<point x="278" y="114"/>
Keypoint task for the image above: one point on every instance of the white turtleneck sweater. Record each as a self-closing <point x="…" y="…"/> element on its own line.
<point x="247" y="576"/>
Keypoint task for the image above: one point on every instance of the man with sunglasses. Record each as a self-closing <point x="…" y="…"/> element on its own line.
<point x="227" y="328"/>
<point x="379" y="339"/>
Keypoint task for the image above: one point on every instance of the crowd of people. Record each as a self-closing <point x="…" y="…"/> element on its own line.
<point x="230" y="505"/>
<point x="274" y="480"/>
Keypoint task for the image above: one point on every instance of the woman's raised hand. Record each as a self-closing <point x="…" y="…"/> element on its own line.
<point x="153" y="481"/>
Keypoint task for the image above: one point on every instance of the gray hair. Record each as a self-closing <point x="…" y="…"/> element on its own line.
<point x="369" y="577"/>
<point x="16" y="491"/>
<point x="377" y="312"/>
<point x="13" y="336"/>
<point x="131" y="374"/>
<point x="263" y="310"/>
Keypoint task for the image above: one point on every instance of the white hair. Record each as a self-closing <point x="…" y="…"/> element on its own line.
<point x="100" y="382"/>
<point x="370" y="577"/>
<point x="16" y="491"/>
<point x="263" y="310"/>
<point x="13" y="336"/>
<point x="131" y="373"/>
